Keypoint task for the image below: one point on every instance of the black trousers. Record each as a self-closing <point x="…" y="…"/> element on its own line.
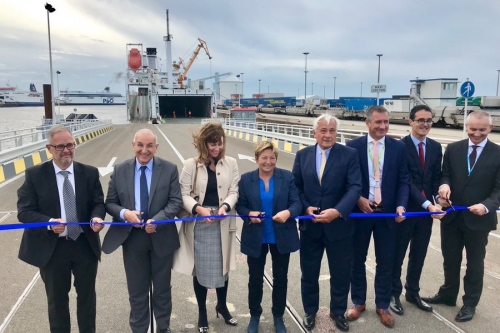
<point x="143" y="267"/>
<point x="454" y="237"/>
<point x="339" y="254"/>
<point x="415" y="232"/>
<point x="77" y="258"/>
<point x="256" y="280"/>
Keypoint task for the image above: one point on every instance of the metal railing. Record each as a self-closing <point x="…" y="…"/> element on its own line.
<point x="20" y="142"/>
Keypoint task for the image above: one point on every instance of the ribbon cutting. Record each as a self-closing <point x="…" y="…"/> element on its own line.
<point x="34" y="225"/>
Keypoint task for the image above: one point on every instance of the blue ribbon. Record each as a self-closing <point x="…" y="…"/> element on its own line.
<point x="17" y="226"/>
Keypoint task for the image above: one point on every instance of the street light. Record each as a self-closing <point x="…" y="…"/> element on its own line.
<point x="312" y="88"/>
<point x="242" y="82"/>
<point x="305" y="79"/>
<point x="259" y="86"/>
<point x="498" y="79"/>
<point x="378" y="77"/>
<point x="334" y="85"/>
<point x="324" y="91"/>
<point x="361" y="93"/>
<point x="58" y="94"/>
<point x="50" y="9"/>
<point x="268" y="89"/>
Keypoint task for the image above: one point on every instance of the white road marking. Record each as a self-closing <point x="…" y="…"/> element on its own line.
<point x="246" y="157"/>
<point x="20" y="301"/>
<point x="172" y="145"/>
<point x="103" y="171"/>
<point x="7" y="214"/>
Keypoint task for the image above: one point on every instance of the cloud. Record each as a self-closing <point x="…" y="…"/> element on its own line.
<point x="263" y="39"/>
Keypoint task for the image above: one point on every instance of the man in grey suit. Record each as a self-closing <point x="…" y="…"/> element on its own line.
<point x="141" y="190"/>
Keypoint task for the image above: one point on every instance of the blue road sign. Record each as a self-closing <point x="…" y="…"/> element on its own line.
<point x="467" y="89"/>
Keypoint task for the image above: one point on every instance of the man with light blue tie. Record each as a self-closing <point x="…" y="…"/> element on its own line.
<point x="470" y="177"/>
<point x="147" y="248"/>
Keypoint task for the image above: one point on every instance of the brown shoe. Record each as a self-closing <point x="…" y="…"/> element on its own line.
<point x="355" y="311"/>
<point x="385" y="318"/>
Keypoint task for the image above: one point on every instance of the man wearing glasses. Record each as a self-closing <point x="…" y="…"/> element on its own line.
<point x="63" y="191"/>
<point x="144" y="189"/>
<point x="424" y="163"/>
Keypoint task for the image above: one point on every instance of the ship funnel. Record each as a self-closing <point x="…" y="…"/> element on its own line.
<point x="151" y="53"/>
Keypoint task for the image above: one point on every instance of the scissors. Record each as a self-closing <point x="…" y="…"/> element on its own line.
<point x="449" y="203"/>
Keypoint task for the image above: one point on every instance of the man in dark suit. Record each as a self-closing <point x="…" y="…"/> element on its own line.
<point x="142" y="190"/>
<point x="424" y="163"/>
<point x="328" y="179"/>
<point x="470" y="177"/>
<point x="63" y="191"/>
<point x="385" y="180"/>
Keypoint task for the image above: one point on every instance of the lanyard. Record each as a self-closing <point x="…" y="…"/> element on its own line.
<point x="380" y="156"/>
<point x="468" y="162"/>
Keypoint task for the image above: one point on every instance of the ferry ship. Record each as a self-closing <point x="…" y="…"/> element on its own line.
<point x="12" y="96"/>
<point x="105" y="97"/>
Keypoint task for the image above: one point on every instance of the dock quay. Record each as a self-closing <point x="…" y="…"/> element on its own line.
<point x="23" y="306"/>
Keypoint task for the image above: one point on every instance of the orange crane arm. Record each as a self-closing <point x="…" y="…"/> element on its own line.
<point x="202" y="45"/>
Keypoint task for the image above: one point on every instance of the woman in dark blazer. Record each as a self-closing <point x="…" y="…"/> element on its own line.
<point x="271" y="191"/>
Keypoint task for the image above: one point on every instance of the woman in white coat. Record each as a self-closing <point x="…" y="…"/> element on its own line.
<point x="209" y="185"/>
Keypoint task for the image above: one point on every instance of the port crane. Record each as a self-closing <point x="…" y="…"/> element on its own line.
<point x="201" y="45"/>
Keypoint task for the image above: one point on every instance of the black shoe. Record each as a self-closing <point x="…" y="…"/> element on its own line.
<point x="340" y="322"/>
<point x="253" y="325"/>
<point x="279" y="325"/>
<point x="309" y="321"/>
<point x="466" y="313"/>
<point x="396" y="306"/>
<point x="165" y="330"/>
<point x="439" y="299"/>
<point x="226" y="315"/>
<point x="415" y="299"/>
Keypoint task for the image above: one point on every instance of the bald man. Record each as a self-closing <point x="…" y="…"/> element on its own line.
<point x="148" y="248"/>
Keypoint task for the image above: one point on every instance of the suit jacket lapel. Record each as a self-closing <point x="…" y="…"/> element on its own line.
<point x="331" y="158"/>
<point x="278" y="182"/>
<point x="130" y="177"/>
<point x="79" y="187"/>
<point x="364" y="158"/>
<point x="483" y="158"/>
<point x="155" y="178"/>
<point x="255" y="180"/>
<point x="414" y="154"/>
<point x="50" y="176"/>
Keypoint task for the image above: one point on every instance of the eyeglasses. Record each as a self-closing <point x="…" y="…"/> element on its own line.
<point x="69" y="146"/>
<point x="422" y="121"/>
<point x="148" y="146"/>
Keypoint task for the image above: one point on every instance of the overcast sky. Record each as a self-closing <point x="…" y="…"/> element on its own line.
<point x="264" y="39"/>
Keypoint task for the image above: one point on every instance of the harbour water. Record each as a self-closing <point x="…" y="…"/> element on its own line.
<point x="27" y="117"/>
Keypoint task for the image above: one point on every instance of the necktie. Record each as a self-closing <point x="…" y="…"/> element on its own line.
<point x="421" y="154"/>
<point x="377" y="195"/>
<point x="472" y="157"/>
<point x="69" y="200"/>
<point x="144" y="194"/>
<point x="322" y="166"/>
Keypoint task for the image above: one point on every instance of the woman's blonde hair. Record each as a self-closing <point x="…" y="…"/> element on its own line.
<point x="209" y="133"/>
<point x="264" y="145"/>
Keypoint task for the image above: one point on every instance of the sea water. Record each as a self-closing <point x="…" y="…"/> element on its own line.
<point x="15" y="118"/>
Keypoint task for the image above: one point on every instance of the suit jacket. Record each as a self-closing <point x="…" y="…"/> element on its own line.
<point x="427" y="179"/>
<point x="340" y="188"/>
<point x="481" y="186"/>
<point x="227" y="189"/>
<point x="395" y="176"/>
<point x="38" y="201"/>
<point x="285" y="196"/>
<point x="164" y="203"/>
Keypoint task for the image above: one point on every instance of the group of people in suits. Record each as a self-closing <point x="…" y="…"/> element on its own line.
<point x="371" y="174"/>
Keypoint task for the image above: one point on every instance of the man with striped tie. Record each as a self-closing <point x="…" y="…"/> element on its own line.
<point x="385" y="180"/>
<point x="63" y="190"/>
<point x="470" y="177"/>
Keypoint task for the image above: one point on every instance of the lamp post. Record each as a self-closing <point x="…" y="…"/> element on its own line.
<point x="268" y="89"/>
<point x="259" y="86"/>
<point x="498" y="79"/>
<point x="50" y="9"/>
<point x="361" y="92"/>
<point x="58" y="94"/>
<point x="378" y="77"/>
<point x="305" y="79"/>
<point x="312" y="88"/>
<point x="334" y="86"/>
<point x="242" y="82"/>
<point x="324" y="91"/>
